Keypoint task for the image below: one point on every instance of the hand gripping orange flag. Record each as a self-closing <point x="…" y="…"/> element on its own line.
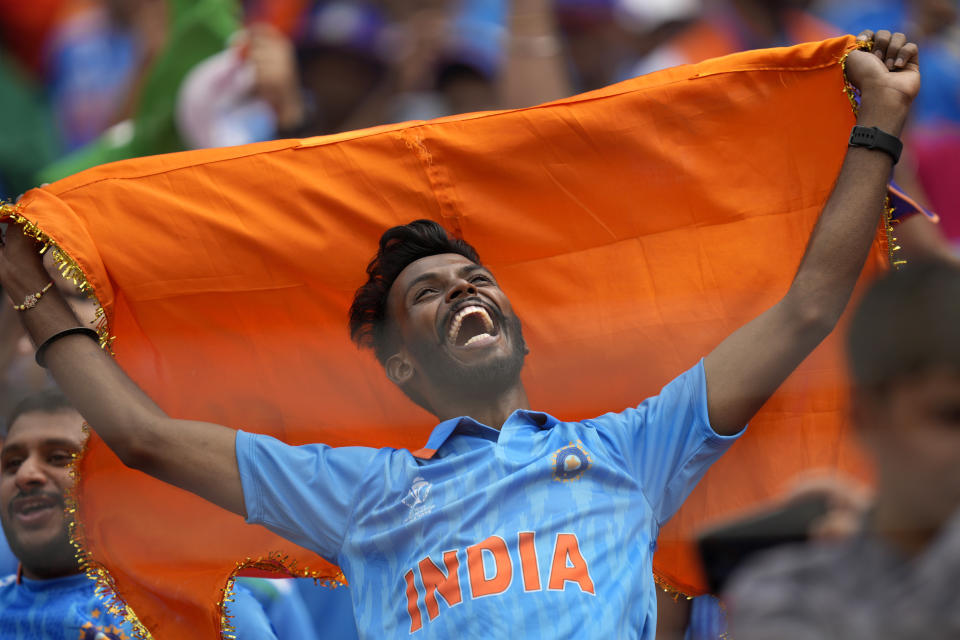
<point x="633" y="228"/>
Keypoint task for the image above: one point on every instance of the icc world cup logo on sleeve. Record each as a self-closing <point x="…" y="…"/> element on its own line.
<point x="570" y="462"/>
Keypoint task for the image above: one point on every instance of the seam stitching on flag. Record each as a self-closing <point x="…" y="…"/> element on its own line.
<point x="437" y="178"/>
<point x="748" y="69"/>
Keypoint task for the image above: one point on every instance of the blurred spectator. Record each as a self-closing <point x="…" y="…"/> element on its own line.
<point x="343" y="66"/>
<point x="261" y="87"/>
<point x="94" y="59"/>
<point x="28" y="139"/>
<point x="49" y="597"/>
<point x="603" y="39"/>
<point x="728" y="26"/>
<point x="472" y="56"/>
<point x="25" y="27"/>
<point x="399" y="62"/>
<point x="896" y="576"/>
<point x="340" y="62"/>
<point x="818" y="505"/>
<point x="218" y="103"/>
<point x="535" y="70"/>
<point x="195" y="30"/>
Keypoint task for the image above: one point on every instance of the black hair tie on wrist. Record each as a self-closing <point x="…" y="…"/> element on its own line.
<point x="90" y="333"/>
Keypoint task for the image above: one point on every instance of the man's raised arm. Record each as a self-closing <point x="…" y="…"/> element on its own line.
<point x="747" y="367"/>
<point x="196" y="456"/>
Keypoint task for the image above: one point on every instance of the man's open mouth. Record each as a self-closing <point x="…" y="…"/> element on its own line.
<point x="472" y="326"/>
<point x="33" y="507"/>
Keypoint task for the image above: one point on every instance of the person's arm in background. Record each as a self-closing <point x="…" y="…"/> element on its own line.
<point x="275" y="66"/>
<point x="534" y="68"/>
<point x="747" y="367"/>
<point x="196" y="456"/>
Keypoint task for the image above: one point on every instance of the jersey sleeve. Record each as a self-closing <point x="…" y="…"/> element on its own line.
<point x="667" y="443"/>
<point x="305" y="494"/>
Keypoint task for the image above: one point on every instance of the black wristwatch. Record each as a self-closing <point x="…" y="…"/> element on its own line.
<point x="874" y="138"/>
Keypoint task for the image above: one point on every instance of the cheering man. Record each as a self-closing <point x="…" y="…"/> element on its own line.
<point x="508" y="521"/>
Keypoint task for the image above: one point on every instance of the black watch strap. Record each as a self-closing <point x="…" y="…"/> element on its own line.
<point x="874" y="138"/>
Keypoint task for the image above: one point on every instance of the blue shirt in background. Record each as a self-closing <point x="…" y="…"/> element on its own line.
<point x="8" y="561"/>
<point x="65" y="608"/>
<point x="543" y="529"/>
<point x="70" y="608"/>
<point x="285" y="607"/>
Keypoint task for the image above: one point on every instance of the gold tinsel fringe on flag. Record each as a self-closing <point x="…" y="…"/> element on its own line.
<point x="275" y="562"/>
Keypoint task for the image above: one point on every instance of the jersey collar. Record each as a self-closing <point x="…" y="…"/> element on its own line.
<point x="469" y="426"/>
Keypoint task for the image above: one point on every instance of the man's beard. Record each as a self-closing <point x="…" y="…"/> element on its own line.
<point x="56" y="554"/>
<point x="470" y="382"/>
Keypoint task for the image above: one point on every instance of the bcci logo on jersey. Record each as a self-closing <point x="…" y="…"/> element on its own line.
<point x="570" y="462"/>
<point x="416" y="499"/>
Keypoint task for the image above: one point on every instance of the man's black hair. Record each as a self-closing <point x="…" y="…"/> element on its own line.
<point x="399" y="247"/>
<point x="46" y="401"/>
<point x="906" y="323"/>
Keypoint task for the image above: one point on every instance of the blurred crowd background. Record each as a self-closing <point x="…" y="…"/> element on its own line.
<point x="91" y="81"/>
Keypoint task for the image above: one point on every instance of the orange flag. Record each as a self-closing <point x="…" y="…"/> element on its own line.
<point x="633" y="228"/>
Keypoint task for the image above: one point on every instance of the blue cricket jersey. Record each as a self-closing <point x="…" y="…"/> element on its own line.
<point x="65" y="608"/>
<point x="543" y="529"/>
<point x="71" y="608"/>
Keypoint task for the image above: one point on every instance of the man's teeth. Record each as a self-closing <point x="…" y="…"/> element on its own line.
<point x="463" y="313"/>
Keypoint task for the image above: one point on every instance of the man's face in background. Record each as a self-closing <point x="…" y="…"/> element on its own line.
<point x="912" y="430"/>
<point x="34" y="479"/>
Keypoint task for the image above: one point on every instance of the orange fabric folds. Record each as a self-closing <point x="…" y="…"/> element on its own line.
<point x="633" y="228"/>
